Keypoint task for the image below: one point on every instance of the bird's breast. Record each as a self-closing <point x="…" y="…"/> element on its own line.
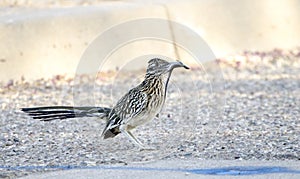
<point x="155" y="102"/>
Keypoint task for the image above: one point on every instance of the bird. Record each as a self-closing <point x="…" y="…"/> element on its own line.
<point x="137" y="107"/>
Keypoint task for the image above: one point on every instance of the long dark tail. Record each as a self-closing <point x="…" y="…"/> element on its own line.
<point x="49" y="113"/>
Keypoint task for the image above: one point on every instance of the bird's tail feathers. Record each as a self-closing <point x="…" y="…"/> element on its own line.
<point x="49" y="113"/>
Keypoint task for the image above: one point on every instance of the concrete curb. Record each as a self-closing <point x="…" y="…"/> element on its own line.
<point x="180" y="169"/>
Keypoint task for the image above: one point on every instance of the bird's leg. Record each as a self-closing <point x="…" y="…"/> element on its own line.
<point x="130" y="136"/>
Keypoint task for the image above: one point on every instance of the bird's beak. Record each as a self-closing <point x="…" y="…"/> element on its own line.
<point x="177" y="64"/>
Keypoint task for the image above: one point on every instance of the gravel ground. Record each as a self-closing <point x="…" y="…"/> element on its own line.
<point x="248" y="109"/>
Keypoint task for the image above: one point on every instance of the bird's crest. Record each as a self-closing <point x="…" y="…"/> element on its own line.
<point x="156" y="64"/>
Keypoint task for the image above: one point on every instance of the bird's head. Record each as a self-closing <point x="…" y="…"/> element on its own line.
<point x="158" y="66"/>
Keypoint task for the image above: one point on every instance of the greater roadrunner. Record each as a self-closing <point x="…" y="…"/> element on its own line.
<point x="135" y="108"/>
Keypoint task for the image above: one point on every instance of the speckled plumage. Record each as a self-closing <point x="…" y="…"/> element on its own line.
<point x="142" y="103"/>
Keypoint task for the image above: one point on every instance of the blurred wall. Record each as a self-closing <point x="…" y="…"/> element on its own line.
<point x="47" y="40"/>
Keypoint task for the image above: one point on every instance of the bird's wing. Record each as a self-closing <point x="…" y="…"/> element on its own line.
<point x="128" y="107"/>
<point x="49" y="113"/>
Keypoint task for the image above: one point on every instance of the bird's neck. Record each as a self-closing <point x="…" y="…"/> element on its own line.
<point x="161" y="80"/>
